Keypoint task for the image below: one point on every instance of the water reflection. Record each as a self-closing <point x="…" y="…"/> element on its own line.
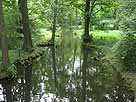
<point x="6" y="93"/>
<point x="84" y="73"/>
<point x="68" y="73"/>
<point x="54" y="67"/>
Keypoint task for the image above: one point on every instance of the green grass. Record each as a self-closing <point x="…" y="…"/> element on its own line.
<point x="115" y="34"/>
<point x="105" y="40"/>
<point x="107" y="35"/>
<point x="41" y="37"/>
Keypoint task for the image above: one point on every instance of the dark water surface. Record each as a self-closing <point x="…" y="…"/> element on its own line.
<point x="68" y="73"/>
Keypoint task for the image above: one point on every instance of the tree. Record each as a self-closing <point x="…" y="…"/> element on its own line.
<point x="54" y="21"/>
<point x="86" y="37"/>
<point x="3" y="38"/>
<point x="127" y="16"/>
<point x="25" y="21"/>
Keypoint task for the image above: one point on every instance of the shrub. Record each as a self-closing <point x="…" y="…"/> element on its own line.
<point x="126" y="52"/>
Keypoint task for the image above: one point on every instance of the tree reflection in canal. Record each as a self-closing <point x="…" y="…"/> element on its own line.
<point x="69" y="74"/>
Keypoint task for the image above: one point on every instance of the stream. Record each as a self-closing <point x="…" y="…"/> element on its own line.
<point x="68" y="73"/>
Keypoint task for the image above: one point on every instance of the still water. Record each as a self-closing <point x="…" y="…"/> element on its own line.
<point x="68" y="73"/>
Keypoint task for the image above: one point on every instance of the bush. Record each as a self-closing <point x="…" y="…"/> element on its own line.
<point x="126" y="52"/>
<point x="126" y="15"/>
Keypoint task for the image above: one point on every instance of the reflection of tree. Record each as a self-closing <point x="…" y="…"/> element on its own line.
<point x="74" y="55"/>
<point x="42" y="73"/>
<point x="23" y="86"/>
<point x="54" y="67"/>
<point x="102" y="84"/>
<point x="84" y="73"/>
<point x="98" y="76"/>
<point x="28" y="82"/>
<point x="7" y="89"/>
<point x="97" y="81"/>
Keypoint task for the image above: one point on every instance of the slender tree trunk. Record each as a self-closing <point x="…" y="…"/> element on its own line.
<point x="54" y="21"/>
<point x="25" y="20"/>
<point x="91" y="12"/>
<point x="86" y="37"/>
<point x="19" y="20"/>
<point x="77" y="19"/>
<point x="3" y="38"/>
<point x="116" y="25"/>
<point x="70" y="22"/>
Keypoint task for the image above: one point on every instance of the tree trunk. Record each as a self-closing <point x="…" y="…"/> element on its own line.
<point x="86" y="37"/>
<point x="25" y="21"/>
<point x="77" y="20"/>
<point x="70" y="23"/>
<point x="91" y="13"/>
<point x="3" y="38"/>
<point x="54" y="21"/>
<point x="19" y="25"/>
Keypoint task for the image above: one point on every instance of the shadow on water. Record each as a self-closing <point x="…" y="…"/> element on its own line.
<point x="68" y="73"/>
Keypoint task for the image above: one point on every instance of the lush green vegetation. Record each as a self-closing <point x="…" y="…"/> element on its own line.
<point x="74" y="49"/>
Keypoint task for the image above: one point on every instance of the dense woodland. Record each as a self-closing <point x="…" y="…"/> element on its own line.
<point x="67" y="50"/>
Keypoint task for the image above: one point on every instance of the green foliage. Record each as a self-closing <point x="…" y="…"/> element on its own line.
<point x="11" y="71"/>
<point x="70" y="14"/>
<point x="106" y="24"/>
<point x="125" y="50"/>
<point x="127" y="15"/>
<point x="8" y="71"/>
<point x="10" y="16"/>
<point x="103" y="10"/>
